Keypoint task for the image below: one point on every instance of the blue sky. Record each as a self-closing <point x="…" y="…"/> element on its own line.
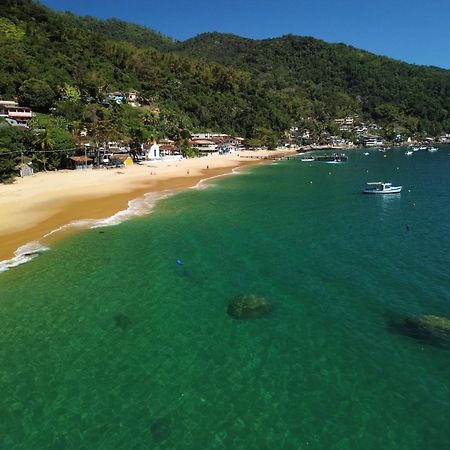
<point x="416" y="31"/>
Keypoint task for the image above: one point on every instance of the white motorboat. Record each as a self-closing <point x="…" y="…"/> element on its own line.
<point x="432" y="149"/>
<point x="380" y="187"/>
<point x="409" y="153"/>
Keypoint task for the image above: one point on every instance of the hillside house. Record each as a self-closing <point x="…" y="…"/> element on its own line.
<point x="14" y="114"/>
<point x="133" y="99"/>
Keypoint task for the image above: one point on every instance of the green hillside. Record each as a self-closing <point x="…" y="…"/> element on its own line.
<point x="336" y="79"/>
<point x="67" y="64"/>
<point x="43" y="51"/>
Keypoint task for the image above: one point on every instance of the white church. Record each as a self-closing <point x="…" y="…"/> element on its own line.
<point x="153" y="152"/>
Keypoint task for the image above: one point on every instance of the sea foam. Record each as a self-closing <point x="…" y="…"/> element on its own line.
<point x="23" y="254"/>
<point x="136" y="208"/>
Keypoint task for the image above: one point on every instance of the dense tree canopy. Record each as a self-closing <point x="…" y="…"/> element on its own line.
<point x="213" y="81"/>
<point x="335" y="80"/>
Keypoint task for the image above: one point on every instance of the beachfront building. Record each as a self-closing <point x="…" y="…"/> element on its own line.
<point x="169" y="150"/>
<point x="116" y="147"/>
<point x="205" y="146"/>
<point x="336" y="141"/>
<point x="214" y="143"/>
<point x="25" y="170"/>
<point x="373" y="141"/>
<point x="14" y="114"/>
<point x="165" y="150"/>
<point x="233" y="143"/>
<point x="153" y="152"/>
<point x="80" y="163"/>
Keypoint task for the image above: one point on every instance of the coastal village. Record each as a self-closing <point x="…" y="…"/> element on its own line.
<point x="309" y="134"/>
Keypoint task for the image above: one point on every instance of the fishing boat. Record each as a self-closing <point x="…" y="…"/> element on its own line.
<point x="380" y="187"/>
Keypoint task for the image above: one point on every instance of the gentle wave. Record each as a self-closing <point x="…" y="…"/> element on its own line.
<point x="23" y="254"/>
<point x="138" y="207"/>
<point x="200" y="184"/>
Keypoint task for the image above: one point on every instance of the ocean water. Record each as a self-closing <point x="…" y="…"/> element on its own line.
<point x="107" y="343"/>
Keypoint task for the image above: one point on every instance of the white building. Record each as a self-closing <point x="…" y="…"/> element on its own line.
<point x="209" y="136"/>
<point x="153" y="152"/>
<point x="133" y="99"/>
<point x="205" y="146"/>
<point x="12" y="110"/>
<point x="373" y="141"/>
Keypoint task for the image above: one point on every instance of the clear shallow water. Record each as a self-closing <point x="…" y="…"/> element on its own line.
<point x="107" y="343"/>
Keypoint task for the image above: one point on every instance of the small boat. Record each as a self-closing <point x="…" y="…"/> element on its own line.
<point x="432" y="149"/>
<point x="308" y="158"/>
<point x="366" y="153"/>
<point x="409" y="153"/>
<point x="423" y="147"/>
<point x="380" y="187"/>
<point x="335" y="158"/>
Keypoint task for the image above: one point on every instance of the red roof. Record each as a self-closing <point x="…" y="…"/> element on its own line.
<point x="168" y="147"/>
<point x="80" y="159"/>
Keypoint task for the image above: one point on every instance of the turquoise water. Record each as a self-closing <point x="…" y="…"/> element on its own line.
<point x="107" y="343"/>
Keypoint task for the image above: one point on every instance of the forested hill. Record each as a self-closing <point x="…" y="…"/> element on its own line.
<point x="119" y="30"/>
<point x="335" y="78"/>
<point x="46" y="54"/>
<point x="214" y="81"/>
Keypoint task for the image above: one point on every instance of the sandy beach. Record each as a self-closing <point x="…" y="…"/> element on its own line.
<point x="34" y="206"/>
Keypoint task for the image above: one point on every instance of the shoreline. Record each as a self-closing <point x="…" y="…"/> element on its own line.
<point x="43" y="208"/>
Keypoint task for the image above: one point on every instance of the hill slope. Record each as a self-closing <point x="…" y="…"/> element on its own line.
<point x="213" y="81"/>
<point x="37" y="43"/>
<point x="335" y="78"/>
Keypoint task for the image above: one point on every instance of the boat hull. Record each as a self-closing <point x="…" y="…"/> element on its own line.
<point x="393" y="190"/>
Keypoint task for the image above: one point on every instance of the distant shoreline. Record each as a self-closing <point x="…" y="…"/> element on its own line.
<point x="36" y="206"/>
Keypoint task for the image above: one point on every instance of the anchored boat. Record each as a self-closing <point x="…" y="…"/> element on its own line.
<point x="335" y="157"/>
<point x="379" y="187"/>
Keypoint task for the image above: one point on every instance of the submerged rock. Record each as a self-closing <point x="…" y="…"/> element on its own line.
<point x="248" y="306"/>
<point x="160" y="429"/>
<point x="434" y="330"/>
<point x="122" y="321"/>
<point x="429" y="327"/>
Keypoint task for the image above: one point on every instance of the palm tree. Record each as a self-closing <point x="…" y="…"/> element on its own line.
<point x="42" y="142"/>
